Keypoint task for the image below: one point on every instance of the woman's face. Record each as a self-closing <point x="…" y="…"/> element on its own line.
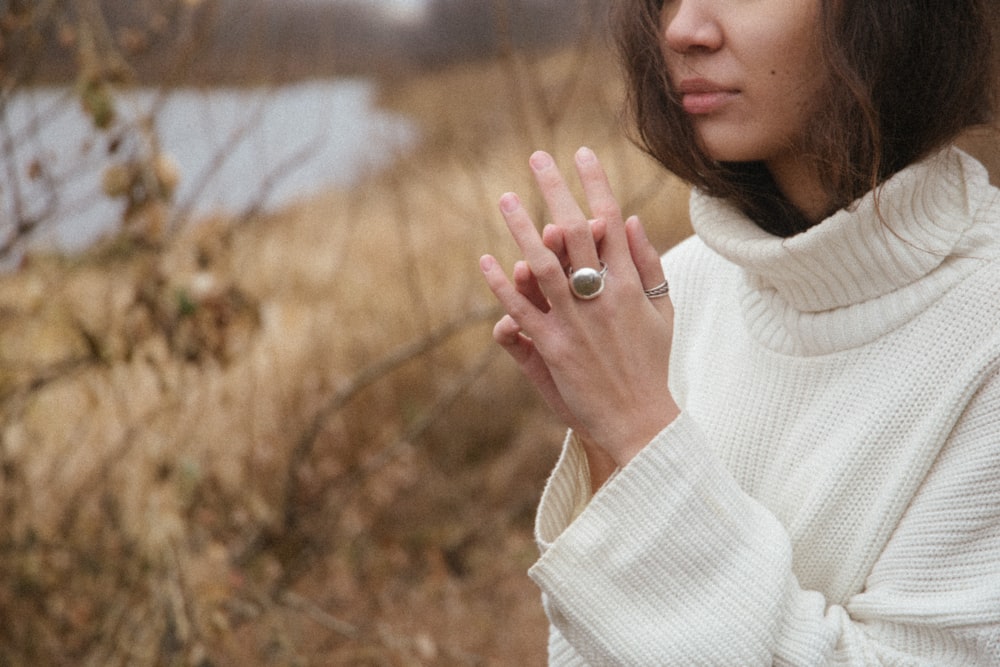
<point x="748" y="73"/>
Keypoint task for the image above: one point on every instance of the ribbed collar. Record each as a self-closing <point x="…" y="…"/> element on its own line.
<point x="863" y="271"/>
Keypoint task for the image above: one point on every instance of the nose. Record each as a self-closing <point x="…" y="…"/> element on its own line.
<point x="689" y="26"/>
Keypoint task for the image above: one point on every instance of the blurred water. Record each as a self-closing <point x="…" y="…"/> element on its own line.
<point x="235" y="149"/>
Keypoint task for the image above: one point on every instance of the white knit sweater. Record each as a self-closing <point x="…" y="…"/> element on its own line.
<point x="830" y="494"/>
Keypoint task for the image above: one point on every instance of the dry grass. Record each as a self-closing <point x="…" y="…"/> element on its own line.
<point x="291" y="440"/>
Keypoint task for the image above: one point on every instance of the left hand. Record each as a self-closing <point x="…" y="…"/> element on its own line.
<point x="601" y="364"/>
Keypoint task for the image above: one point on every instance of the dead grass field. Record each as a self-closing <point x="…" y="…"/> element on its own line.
<point x="290" y="440"/>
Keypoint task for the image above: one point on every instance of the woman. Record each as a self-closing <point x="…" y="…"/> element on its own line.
<point x="795" y="458"/>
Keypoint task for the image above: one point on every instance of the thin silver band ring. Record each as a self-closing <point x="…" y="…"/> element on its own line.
<point x="662" y="289"/>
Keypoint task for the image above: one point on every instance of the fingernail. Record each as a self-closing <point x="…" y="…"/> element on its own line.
<point x="585" y="155"/>
<point x="634" y="223"/>
<point x="541" y="160"/>
<point x="509" y="202"/>
<point x="486" y="263"/>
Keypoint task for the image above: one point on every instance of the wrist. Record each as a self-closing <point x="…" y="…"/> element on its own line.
<point x="623" y="449"/>
<point x="600" y="465"/>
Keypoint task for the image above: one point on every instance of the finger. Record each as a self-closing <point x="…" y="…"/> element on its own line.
<point x="566" y="213"/>
<point x="603" y="205"/>
<point x="554" y="239"/>
<point x="517" y="305"/>
<point x="644" y="255"/>
<point x="647" y="263"/>
<point x="527" y="285"/>
<point x="599" y="229"/>
<point x="507" y="332"/>
<point x="544" y="265"/>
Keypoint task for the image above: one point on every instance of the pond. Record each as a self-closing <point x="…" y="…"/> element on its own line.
<point x="235" y="149"/>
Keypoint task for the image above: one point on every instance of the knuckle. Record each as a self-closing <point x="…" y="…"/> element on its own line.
<point x="505" y="330"/>
<point x="549" y="272"/>
<point x="579" y="232"/>
<point x="606" y="207"/>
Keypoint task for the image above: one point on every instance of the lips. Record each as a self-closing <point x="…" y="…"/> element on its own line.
<point x="701" y="96"/>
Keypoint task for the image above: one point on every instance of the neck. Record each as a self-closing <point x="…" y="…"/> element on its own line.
<point x="798" y="180"/>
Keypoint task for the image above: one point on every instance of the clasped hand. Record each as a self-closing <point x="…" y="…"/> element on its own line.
<point x="600" y="364"/>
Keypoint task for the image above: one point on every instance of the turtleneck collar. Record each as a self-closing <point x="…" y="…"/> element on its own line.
<point x="883" y="259"/>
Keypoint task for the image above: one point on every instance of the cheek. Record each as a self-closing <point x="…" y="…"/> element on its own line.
<point x="798" y="79"/>
<point x="792" y="85"/>
<point x="794" y="57"/>
<point x="793" y="101"/>
<point x="809" y="84"/>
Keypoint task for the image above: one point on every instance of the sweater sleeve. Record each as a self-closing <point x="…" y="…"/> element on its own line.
<point x="671" y="563"/>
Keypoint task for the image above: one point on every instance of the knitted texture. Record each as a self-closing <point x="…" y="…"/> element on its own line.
<point x="830" y="493"/>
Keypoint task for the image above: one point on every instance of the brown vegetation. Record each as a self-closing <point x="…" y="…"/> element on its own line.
<point x="290" y="440"/>
<point x="227" y="42"/>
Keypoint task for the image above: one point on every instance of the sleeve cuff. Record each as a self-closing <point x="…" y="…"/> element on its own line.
<point x="662" y="545"/>
<point x="566" y="493"/>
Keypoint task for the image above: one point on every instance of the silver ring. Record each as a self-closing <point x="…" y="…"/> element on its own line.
<point x="587" y="283"/>
<point x="662" y="289"/>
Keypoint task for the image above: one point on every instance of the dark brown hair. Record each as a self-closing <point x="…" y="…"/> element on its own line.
<point x="905" y="77"/>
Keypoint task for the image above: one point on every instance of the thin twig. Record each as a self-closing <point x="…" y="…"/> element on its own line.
<point x="316" y="613"/>
<point x="338" y="401"/>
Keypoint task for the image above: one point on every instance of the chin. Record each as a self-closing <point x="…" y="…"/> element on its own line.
<point x="729" y="146"/>
<point x="727" y="153"/>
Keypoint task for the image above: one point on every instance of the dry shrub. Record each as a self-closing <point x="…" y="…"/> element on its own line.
<point x="290" y="440"/>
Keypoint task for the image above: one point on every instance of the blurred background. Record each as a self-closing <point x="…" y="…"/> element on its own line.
<point x="250" y="409"/>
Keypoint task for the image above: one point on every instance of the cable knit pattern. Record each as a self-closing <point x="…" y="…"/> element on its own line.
<point x="830" y="494"/>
